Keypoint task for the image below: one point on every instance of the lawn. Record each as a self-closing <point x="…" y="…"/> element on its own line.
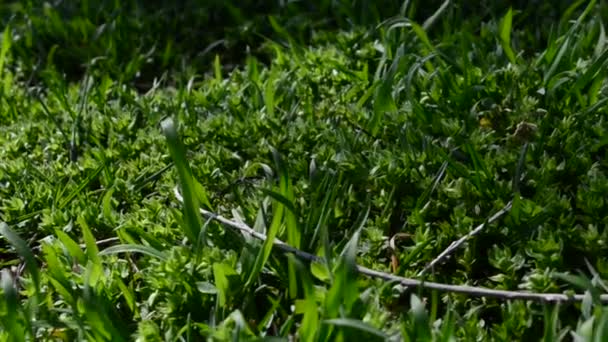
<point x="303" y="171"/>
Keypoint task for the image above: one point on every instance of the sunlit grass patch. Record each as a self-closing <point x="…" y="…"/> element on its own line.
<point x="366" y="136"/>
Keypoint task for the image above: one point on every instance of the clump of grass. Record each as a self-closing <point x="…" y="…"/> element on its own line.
<point x="363" y="134"/>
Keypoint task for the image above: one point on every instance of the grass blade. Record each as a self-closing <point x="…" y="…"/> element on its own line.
<point x="293" y="230"/>
<point x="504" y="33"/>
<point x="310" y="320"/>
<point x="89" y="240"/>
<point x="420" y="318"/>
<point x="129" y="248"/>
<point x="551" y="323"/>
<point x="264" y="253"/>
<point x="6" y="45"/>
<point x="72" y="247"/>
<point x="192" y="223"/>
<point x="81" y="187"/>
<point x="344" y="290"/>
<point x="24" y="251"/>
<point x="358" y="325"/>
<point x="593" y="73"/>
<point x="383" y="103"/>
<point x="11" y="305"/>
<point x="223" y="275"/>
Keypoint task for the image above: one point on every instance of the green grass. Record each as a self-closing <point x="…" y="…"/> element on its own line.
<point x="335" y="126"/>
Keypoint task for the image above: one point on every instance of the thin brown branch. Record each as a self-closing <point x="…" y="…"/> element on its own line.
<point x="99" y="243"/>
<point x="409" y="282"/>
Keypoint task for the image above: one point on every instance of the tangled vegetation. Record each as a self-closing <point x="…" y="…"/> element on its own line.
<point x="364" y="133"/>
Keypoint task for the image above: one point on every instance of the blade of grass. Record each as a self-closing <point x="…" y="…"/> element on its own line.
<point x="264" y="252"/>
<point x="92" y="251"/>
<point x="11" y="305"/>
<point x="344" y="291"/>
<point x="504" y="33"/>
<point x="130" y="248"/>
<point x="592" y="73"/>
<point x="6" y="45"/>
<point x="431" y="20"/>
<point x="420" y="318"/>
<point x="24" y="251"/>
<point x="222" y="274"/>
<point x="307" y="330"/>
<point x="57" y="275"/>
<point x="72" y="247"/>
<point x="293" y="231"/>
<point x="358" y="325"/>
<point x="383" y="103"/>
<point x="97" y="310"/>
<point x="566" y="44"/>
<point x="551" y="315"/>
<point x="81" y="187"/>
<point x="192" y="221"/>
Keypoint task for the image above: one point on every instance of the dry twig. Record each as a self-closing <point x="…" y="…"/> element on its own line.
<point x="454" y="245"/>
<point x="408" y="282"/>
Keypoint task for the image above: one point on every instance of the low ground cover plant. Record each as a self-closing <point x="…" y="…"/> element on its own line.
<point x="318" y="171"/>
